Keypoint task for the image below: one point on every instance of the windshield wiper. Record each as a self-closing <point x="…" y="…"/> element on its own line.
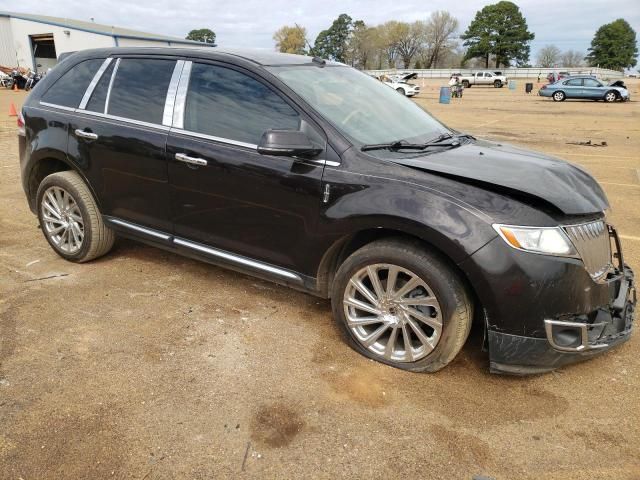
<point x="403" y="145"/>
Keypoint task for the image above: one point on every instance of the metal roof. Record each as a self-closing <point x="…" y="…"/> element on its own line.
<point x="98" y="28"/>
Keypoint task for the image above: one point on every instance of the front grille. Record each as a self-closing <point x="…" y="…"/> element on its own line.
<point x="593" y="244"/>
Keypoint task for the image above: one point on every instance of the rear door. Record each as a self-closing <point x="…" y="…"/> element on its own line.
<point x="224" y="194"/>
<point x="118" y="138"/>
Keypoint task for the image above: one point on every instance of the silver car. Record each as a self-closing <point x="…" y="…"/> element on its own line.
<point x="584" y="87"/>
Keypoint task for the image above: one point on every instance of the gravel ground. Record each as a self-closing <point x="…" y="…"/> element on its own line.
<point x="148" y="365"/>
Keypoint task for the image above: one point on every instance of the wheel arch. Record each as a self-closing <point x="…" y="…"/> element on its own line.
<point x="43" y="166"/>
<point x="345" y="246"/>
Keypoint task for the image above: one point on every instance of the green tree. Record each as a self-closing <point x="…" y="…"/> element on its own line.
<point x="332" y="43"/>
<point x="204" y="35"/>
<point x="291" y="39"/>
<point x="614" y="46"/>
<point x="501" y="30"/>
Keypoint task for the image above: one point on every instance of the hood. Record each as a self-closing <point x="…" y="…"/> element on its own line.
<point x="566" y="186"/>
<point x="403" y="77"/>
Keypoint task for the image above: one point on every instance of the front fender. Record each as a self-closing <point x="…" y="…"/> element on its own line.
<point x="359" y="202"/>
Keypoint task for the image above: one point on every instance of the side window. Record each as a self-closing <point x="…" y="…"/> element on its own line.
<point x="591" y="82"/>
<point x="575" y="82"/>
<point x="139" y="89"/>
<point x="488" y="75"/>
<point x="99" y="95"/>
<point x="228" y="104"/>
<point x="69" y="89"/>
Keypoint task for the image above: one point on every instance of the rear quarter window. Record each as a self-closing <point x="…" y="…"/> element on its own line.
<point x="70" y="87"/>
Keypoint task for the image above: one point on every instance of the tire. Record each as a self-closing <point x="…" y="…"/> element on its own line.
<point x="497" y="84"/>
<point x="87" y="237"/>
<point x="466" y="84"/>
<point x="558" y="96"/>
<point x="445" y="323"/>
<point x="611" y="96"/>
<point x="401" y="91"/>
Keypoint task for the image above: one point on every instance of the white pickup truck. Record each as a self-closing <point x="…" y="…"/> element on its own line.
<point x="483" y="78"/>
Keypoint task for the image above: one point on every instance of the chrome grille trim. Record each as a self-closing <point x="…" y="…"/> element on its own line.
<point x="594" y="246"/>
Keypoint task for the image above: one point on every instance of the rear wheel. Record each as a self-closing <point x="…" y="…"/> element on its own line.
<point x="610" y="96"/>
<point x="402" y="305"/>
<point x="559" y="97"/>
<point x="466" y="84"/>
<point x="70" y="220"/>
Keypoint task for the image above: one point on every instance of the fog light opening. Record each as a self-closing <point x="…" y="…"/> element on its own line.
<point x="567" y="337"/>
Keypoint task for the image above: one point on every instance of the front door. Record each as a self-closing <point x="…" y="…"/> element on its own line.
<point x="232" y="198"/>
<point x="119" y="141"/>
<point x="592" y="88"/>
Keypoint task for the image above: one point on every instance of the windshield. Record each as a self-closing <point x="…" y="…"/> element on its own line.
<point x="364" y="109"/>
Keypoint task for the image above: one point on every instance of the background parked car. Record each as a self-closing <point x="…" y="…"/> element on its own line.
<point x="400" y="83"/>
<point x="584" y="87"/>
<point x="483" y="78"/>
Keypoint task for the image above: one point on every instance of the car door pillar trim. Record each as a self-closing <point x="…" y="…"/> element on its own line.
<point x="96" y="78"/>
<point x="167" y="116"/>
<point x="181" y="96"/>
<point x="113" y="76"/>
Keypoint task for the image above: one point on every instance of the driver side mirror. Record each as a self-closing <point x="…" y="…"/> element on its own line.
<point x="287" y="143"/>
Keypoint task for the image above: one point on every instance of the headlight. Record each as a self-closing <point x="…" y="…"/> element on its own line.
<point x="545" y="240"/>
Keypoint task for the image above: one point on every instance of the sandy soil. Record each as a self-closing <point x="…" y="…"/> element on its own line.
<point x="148" y="365"/>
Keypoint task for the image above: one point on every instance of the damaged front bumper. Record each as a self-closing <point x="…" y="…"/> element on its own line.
<point x="569" y="339"/>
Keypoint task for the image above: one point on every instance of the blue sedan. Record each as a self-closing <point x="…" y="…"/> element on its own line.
<point x="583" y="87"/>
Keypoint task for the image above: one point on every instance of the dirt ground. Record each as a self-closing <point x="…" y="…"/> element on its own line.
<point x="147" y="365"/>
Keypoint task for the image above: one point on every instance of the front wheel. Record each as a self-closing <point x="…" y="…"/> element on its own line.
<point x="559" y="97"/>
<point x="70" y="220"/>
<point x="497" y="84"/>
<point x="610" y="96"/>
<point x="400" y="91"/>
<point x="402" y="305"/>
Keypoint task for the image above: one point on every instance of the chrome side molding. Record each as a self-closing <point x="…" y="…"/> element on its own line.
<point x="138" y="228"/>
<point x="209" y="251"/>
<point x="214" y="252"/>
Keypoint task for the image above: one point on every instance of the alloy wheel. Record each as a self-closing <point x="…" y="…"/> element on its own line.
<point x="62" y="220"/>
<point x="392" y="312"/>
<point x="610" y="97"/>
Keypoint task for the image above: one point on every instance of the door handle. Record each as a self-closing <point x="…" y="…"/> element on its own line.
<point x="181" y="157"/>
<point x="87" y="135"/>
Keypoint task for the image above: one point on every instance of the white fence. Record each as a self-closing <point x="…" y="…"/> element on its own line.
<point x="509" y="72"/>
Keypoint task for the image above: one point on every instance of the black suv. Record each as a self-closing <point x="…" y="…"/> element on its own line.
<point x="316" y="176"/>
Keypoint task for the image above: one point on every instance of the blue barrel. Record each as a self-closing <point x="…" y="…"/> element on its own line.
<point x="445" y="94"/>
<point x="512" y="84"/>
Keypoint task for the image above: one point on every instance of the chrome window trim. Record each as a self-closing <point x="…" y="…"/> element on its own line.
<point x="204" y="136"/>
<point x="113" y="76"/>
<point x="138" y="228"/>
<point x="181" y="96"/>
<point x="96" y="78"/>
<point x="132" y="121"/>
<point x="236" y="259"/>
<point x="170" y="101"/>
<point x="54" y="105"/>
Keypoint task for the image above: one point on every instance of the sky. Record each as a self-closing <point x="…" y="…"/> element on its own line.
<point x="568" y="24"/>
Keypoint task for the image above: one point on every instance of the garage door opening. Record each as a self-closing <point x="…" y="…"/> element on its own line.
<point x="43" y="49"/>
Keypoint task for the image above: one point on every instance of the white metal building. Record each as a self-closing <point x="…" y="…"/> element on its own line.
<point x="29" y="40"/>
